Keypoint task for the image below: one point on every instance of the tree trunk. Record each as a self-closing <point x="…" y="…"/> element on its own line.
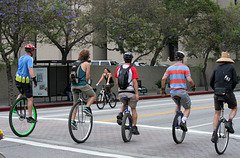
<point x="205" y="67"/>
<point x="154" y="59"/>
<point x="64" y="56"/>
<point x="10" y="83"/>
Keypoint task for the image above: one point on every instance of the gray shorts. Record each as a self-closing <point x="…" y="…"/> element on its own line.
<point x="132" y="102"/>
<point x="87" y="89"/>
<point x="185" y="99"/>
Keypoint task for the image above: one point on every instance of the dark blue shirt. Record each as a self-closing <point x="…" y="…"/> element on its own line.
<point x="224" y="76"/>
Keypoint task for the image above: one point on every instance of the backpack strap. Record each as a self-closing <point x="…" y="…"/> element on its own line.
<point x="128" y="75"/>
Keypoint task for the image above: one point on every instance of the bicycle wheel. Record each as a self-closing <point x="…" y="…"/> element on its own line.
<point x="84" y="123"/>
<point x="221" y="137"/>
<point x="177" y="133"/>
<point x="113" y="100"/>
<point x="2" y="155"/>
<point x="126" y="127"/>
<point x="17" y="118"/>
<point x="100" y="101"/>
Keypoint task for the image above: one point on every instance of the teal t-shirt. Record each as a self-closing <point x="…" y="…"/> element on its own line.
<point x="82" y="76"/>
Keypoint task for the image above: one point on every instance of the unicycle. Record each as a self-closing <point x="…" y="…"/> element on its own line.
<point x="222" y="135"/>
<point x="126" y="127"/>
<point x="18" y="115"/>
<point x="80" y="128"/>
<point x="177" y="133"/>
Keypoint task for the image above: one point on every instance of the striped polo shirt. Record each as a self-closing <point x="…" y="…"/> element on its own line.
<point x="177" y="74"/>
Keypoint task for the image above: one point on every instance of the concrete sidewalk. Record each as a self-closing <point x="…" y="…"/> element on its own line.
<point x="150" y="95"/>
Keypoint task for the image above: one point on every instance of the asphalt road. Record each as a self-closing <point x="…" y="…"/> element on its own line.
<point x="50" y="138"/>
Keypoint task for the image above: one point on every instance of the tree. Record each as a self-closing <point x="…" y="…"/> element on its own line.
<point x="14" y="27"/>
<point x="216" y="31"/>
<point x="146" y="27"/>
<point x="231" y="29"/>
<point x="69" y="25"/>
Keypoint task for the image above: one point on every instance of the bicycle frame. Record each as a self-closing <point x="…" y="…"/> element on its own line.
<point x="104" y="93"/>
<point x="126" y="110"/>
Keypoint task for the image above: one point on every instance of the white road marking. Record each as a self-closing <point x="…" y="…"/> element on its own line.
<point x="205" y="124"/>
<point x="169" y="128"/>
<point x="66" y="148"/>
<point x="149" y="102"/>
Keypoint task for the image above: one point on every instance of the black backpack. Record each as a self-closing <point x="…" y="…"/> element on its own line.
<point x="74" y="73"/>
<point x="123" y="77"/>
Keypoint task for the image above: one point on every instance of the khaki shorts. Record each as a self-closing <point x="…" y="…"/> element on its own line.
<point x="132" y="102"/>
<point x="87" y="89"/>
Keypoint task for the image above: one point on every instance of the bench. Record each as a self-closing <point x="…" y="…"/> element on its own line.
<point x="141" y="88"/>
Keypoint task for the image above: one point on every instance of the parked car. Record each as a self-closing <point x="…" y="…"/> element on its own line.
<point x="114" y="63"/>
<point x="100" y="62"/>
<point x="163" y="65"/>
<point x="139" y="64"/>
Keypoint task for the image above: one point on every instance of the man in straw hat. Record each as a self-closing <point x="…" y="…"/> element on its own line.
<point x="223" y="81"/>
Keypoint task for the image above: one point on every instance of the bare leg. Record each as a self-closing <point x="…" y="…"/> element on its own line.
<point x="30" y="106"/>
<point x="187" y="112"/>
<point x="74" y="113"/>
<point x="75" y="98"/>
<point x="233" y="112"/>
<point x="90" y="101"/>
<point x="134" y="116"/>
<point x="216" y="118"/>
<point x="123" y="107"/>
<point x="19" y="95"/>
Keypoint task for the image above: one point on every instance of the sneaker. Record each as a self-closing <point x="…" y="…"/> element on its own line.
<point x="87" y="111"/>
<point x="229" y="127"/>
<point x="135" y="130"/>
<point x="183" y="126"/>
<point x="31" y="120"/>
<point x="74" y="125"/>
<point x="213" y="138"/>
<point x="119" y="118"/>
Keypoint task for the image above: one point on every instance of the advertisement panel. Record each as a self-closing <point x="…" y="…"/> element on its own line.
<point x="42" y="81"/>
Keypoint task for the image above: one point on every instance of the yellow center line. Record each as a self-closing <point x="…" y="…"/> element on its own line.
<point x="161" y="113"/>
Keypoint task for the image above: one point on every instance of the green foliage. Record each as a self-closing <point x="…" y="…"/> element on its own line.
<point x="218" y="31"/>
<point x="146" y="27"/>
<point x="69" y="26"/>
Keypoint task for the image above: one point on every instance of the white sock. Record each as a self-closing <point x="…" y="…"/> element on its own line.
<point x="184" y="119"/>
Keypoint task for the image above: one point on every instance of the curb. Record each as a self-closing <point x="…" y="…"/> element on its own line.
<point x="70" y="103"/>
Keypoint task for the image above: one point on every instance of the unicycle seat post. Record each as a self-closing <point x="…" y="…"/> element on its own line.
<point x="127" y="99"/>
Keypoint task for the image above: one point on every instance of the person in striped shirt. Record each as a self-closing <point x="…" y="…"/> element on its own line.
<point x="178" y="74"/>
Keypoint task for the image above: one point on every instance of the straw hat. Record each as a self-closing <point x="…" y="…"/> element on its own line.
<point x="225" y="58"/>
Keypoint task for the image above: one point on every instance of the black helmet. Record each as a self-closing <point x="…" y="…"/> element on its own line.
<point x="127" y="57"/>
<point x="179" y="55"/>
